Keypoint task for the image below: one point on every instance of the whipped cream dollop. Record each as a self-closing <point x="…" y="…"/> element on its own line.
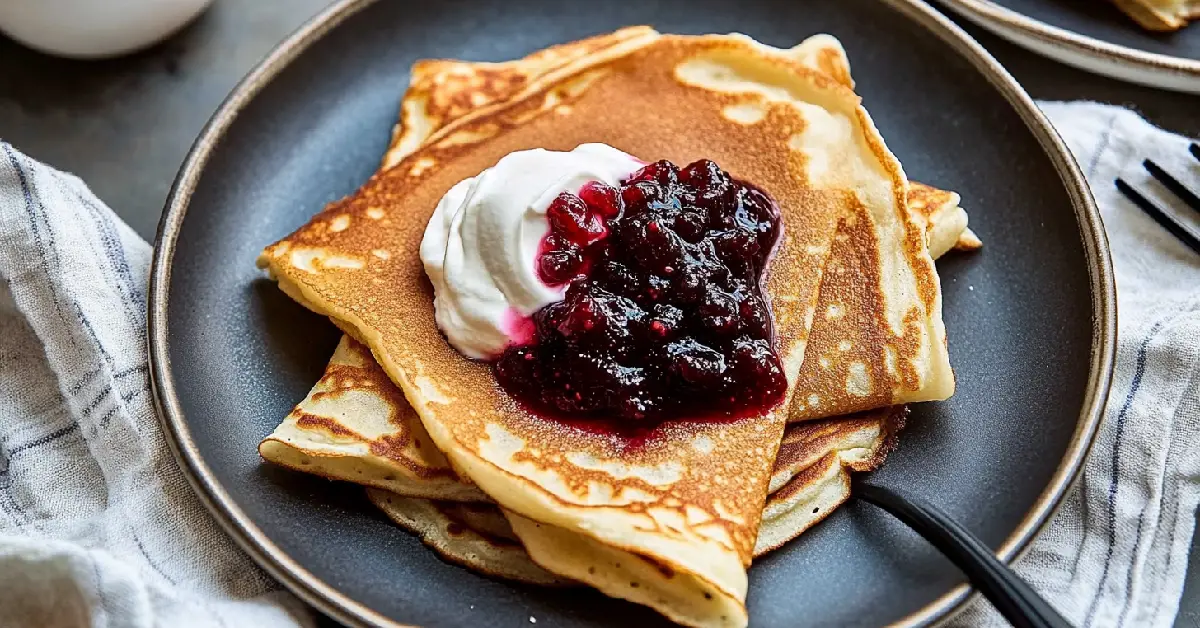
<point x="481" y="245"/>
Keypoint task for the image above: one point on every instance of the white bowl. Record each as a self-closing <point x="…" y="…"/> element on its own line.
<point x="94" y="28"/>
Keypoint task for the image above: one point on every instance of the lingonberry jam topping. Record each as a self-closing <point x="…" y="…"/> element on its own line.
<point x="664" y="315"/>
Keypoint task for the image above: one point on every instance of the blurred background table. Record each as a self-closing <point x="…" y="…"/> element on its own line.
<point x="124" y="125"/>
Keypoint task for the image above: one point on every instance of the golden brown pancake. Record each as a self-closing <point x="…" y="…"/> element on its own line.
<point x="1161" y="15"/>
<point x="329" y="447"/>
<point x="326" y="440"/>
<point x="601" y="494"/>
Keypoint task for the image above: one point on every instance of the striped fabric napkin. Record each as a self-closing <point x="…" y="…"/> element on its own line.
<point x="99" y="528"/>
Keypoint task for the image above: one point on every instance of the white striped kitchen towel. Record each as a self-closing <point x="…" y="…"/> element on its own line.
<point x="99" y="528"/>
<point x="97" y="525"/>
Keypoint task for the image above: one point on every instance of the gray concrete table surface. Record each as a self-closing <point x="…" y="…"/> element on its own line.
<point x="124" y="125"/>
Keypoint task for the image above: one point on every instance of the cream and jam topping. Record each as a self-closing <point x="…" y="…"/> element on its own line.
<point x="645" y="298"/>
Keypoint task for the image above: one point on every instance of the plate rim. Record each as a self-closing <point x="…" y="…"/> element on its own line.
<point x="340" y="606"/>
<point x="1094" y="55"/>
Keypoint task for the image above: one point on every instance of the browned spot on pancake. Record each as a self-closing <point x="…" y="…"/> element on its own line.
<point x="355" y="370"/>
<point x="314" y="422"/>
<point x="336" y="376"/>
<point x="907" y="346"/>
<point x="662" y="568"/>
<point x="925" y="199"/>
<point x="916" y="253"/>
<point x="831" y="62"/>
<point x="390" y="446"/>
<point x="477" y="88"/>
<point x="393" y="447"/>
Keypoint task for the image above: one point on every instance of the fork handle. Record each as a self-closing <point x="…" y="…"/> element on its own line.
<point x="1012" y="596"/>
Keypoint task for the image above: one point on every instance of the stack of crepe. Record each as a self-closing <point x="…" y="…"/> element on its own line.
<point x="673" y="521"/>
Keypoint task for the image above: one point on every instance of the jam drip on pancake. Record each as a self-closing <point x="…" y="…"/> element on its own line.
<point x="664" y="316"/>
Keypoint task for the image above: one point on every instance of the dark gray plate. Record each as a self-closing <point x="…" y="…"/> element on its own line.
<point x="1093" y="35"/>
<point x="1030" y="317"/>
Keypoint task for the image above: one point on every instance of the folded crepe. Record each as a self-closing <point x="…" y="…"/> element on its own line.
<point x="866" y="347"/>
<point x="356" y="426"/>
<point x="672" y="515"/>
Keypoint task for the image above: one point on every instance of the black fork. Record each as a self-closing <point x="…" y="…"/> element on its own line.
<point x="1163" y="217"/>
<point x="1018" y="602"/>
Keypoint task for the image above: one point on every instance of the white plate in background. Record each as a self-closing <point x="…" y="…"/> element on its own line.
<point x="1094" y="36"/>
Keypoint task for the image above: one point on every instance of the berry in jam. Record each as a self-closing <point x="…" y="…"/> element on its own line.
<point x="664" y="315"/>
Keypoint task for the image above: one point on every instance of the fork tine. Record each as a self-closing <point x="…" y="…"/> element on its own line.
<point x="1173" y="184"/>
<point x="1159" y="215"/>
<point x="1195" y="149"/>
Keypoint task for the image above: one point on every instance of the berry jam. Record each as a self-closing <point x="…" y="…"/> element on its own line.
<point x="664" y="315"/>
